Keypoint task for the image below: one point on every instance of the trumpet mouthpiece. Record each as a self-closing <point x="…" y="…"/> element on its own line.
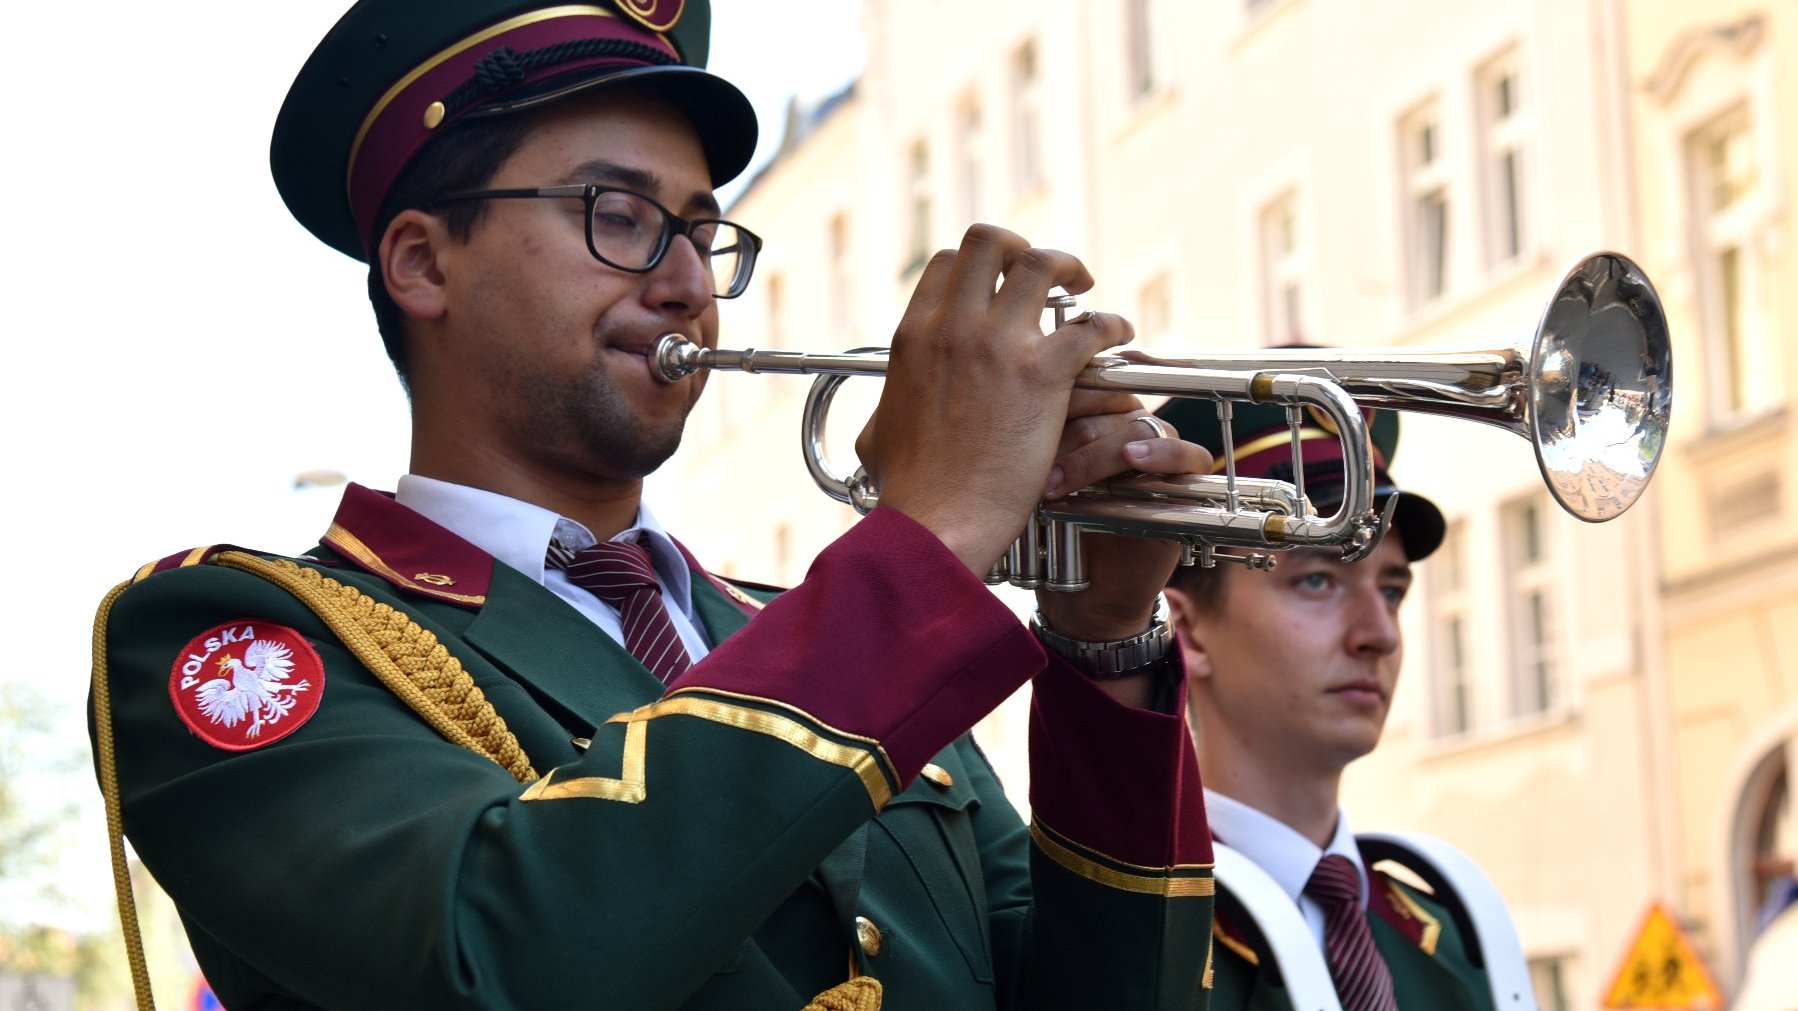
<point x="675" y="358"/>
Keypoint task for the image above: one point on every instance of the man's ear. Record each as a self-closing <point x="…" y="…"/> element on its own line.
<point x="1185" y="617"/>
<point x="411" y="263"/>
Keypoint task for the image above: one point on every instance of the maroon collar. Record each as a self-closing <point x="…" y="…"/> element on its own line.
<point x="1411" y="921"/>
<point x="378" y="535"/>
<point x="375" y="533"/>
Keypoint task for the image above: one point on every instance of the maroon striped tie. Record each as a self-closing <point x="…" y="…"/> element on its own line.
<point x="1362" y="980"/>
<point x="621" y="575"/>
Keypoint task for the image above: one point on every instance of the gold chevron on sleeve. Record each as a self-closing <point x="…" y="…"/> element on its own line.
<point x="628" y="788"/>
<point x="1177" y="882"/>
<point x="631" y="786"/>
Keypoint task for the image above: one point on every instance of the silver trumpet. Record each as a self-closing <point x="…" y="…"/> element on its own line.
<point x="1591" y="389"/>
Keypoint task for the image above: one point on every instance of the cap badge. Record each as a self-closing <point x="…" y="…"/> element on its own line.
<point x="245" y="684"/>
<point x="655" y="15"/>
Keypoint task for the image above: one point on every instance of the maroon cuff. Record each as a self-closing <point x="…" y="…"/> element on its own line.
<point x="1118" y="780"/>
<point x="889" y="637"/>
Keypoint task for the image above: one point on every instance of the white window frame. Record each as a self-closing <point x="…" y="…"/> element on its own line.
<point x="1532" y="603"/>
<point x="1740" y="350"/>
<point x="970" y="174"/>
<point x="841" y="296"/>
<point x="919" y="223"/>
<point x="1281" y="237"/>
<point x="1506" y="177"/>
<point x="1451" y="605"/>
<point x="1155" y="309"/>
<point x="1026" y="125"/>
<point x="1428" y="174"/>
<point x="1142" y="61"/>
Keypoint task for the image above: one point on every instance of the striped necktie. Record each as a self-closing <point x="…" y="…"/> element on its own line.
<point x="1362" y="980"/>
<point x="621" y="575"/>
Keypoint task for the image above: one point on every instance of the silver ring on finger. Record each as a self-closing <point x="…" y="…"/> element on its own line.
<point x="1158" y="429"/>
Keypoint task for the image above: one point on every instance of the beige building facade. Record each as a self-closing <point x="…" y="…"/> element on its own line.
<point x="1601" y="716"/>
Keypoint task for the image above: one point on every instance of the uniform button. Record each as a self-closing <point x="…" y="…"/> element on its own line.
<point x="938" y="775"/>
<point x="867" y="935"/>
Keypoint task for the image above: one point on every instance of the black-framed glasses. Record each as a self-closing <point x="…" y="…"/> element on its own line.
<point x="631" y="232"/>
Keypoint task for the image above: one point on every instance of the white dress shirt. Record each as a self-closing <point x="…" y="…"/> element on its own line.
<point x="518" y="533"/>
<point x="1277" y="848"/>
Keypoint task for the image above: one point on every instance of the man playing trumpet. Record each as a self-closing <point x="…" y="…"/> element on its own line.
<point x="528" y="752"/>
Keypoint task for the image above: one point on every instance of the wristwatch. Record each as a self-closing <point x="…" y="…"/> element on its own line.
<point x="1120" y="658"/>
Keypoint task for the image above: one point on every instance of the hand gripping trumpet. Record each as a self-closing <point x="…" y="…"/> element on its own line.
<point x="1591" y="389"/>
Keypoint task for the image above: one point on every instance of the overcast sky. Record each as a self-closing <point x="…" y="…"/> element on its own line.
<point x="181" y="347"/>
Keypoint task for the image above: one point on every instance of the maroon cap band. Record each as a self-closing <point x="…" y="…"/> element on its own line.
<point x="414" y="110"/>
<point x="1257" y="455"/>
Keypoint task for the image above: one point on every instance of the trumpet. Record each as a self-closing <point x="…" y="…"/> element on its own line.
<point x="1591" y="390"/>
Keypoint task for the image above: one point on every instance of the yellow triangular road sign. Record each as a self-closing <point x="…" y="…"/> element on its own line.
<point x="1662" y="972"/>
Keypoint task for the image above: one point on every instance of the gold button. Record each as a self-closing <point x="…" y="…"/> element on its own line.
<point x="867" y="935"/>
<point x="938" y="775"/>
<point x="582" y="743"/>
<point x="434" y="115"/>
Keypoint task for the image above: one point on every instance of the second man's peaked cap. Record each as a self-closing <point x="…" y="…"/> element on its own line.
<point x="1262" y="438"/>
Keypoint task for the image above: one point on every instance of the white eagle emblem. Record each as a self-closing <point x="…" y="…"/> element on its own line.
<point x="252" y="688"/>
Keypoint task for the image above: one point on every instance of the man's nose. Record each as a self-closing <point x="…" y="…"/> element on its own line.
<point x="682" y="281"/>
<point x="1373" y="627"/>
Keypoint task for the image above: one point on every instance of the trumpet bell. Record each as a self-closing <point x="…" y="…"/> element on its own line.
<point x="1601" y="394"/>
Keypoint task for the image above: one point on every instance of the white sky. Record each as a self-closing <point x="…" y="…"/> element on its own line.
<point x="182" y="347"/>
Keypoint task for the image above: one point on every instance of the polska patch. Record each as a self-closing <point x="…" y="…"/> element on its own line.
<point x="246" y="683"/>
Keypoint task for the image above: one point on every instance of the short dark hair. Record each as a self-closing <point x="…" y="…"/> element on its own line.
<point x="1203" y="586"/>
<point x="466" y="158"/>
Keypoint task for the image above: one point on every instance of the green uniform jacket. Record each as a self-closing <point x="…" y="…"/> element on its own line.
<point x="707" y="845"/>
<point x="1419" y="939"/>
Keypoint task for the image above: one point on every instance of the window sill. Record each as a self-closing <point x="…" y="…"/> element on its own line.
<point x="1146" y="107"/>
<point x="1494" y="284"/>
<point x="1452" y="746"/>
<point x="1258" y="17"/>
<point x="1725" y="435"/>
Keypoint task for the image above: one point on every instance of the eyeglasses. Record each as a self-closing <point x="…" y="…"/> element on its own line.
<point x="632" y="233"/>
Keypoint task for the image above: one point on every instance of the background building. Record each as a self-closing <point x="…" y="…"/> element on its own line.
<point x="1599" y="715"/>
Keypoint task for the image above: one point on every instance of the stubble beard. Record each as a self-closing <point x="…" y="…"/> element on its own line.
<point x="591" y="425"/>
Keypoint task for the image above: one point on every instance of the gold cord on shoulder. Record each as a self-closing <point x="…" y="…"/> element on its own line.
<point x="405" y="657"/>
<point x="862" y="993"/>
<point x="109" y="790"/>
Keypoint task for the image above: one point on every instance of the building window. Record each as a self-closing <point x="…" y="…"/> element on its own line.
<point x="968" y="152"/>
<point x="1139" y="59"/>
<point x="1548" y="976"/>
<point x="1773" y="872"/>
<point x="1026" y="88"/>
<point x="1154" y="310"/>
<point x="1426" y="205"/>
<point x="1282" y="272"/>
<point x="1451" y="610"/>
<point x="1504" y="178"/>
<point x="1531" y="603"/>
<point x="917" y="242"/>
<point x="1725" y="190"/>
<point x="842" y="284"/>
